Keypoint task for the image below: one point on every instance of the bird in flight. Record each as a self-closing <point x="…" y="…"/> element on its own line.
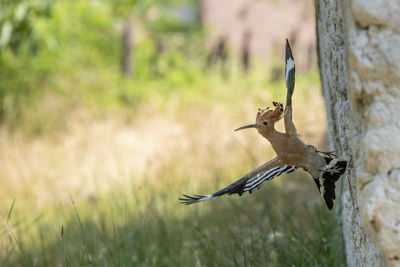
<point x="291" y="152"/>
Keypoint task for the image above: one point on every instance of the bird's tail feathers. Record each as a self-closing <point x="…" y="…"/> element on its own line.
<point x="326" y="183"/>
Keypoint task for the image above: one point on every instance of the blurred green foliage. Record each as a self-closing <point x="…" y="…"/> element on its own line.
<point x="72" y="48"/>
<point x="18" y="20"/>
<point x="20" y="38"/>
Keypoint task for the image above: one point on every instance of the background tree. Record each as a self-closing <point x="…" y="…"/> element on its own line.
<point x="124" y="9"/>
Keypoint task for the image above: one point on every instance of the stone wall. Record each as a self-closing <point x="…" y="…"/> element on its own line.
<point x="359" y="58"/>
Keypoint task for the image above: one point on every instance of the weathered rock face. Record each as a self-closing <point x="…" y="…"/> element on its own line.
<point x="359" y="57"/>
<point x="373" y="37"/>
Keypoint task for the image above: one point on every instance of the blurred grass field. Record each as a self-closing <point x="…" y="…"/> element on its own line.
<point x="93" y="163"/>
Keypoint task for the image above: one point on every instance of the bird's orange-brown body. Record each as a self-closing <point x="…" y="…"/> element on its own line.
<point x="291" y="152"/>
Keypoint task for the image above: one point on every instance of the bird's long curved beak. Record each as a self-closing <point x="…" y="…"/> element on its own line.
<point x="246" y="127"/>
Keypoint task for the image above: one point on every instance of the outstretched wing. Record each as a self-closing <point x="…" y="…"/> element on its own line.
<point x="289" y="73"/>
<point x="247" y="183"/>
<point x="289" y="79"/>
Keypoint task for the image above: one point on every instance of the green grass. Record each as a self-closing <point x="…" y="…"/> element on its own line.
<point x="146" y="226"/>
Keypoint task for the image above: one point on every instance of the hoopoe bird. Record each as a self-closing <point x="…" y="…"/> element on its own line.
<point x="291" y="152"/>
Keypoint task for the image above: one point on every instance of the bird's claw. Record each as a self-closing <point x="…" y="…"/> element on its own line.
<point x="329" y="153"/>
<point x="313" y="148"/>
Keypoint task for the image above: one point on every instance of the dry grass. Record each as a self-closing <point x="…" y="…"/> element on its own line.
<point x="92" y="154"/>
<point x="124" y="171"/>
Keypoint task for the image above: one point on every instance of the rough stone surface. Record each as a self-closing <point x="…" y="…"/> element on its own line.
<point x="359" y="57"/>
<point x="373" y="48"/>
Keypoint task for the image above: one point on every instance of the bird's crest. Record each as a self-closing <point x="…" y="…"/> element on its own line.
<point x="269" y="114"/>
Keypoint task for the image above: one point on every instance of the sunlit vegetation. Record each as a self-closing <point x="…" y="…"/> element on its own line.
<point x="92" y="162"/>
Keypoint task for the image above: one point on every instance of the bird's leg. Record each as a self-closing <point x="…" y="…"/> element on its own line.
<point x="332" y="169"/>
<point x="329" y="153"/>
<point x="313" y="148"/>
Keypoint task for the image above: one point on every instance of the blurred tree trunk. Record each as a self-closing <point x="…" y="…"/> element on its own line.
<point x="359" y="60"/>
<point x="127" y="47"/>
<point x="245" y="52"/>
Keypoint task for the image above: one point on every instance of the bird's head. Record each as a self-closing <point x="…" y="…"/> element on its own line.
<point x="266" y="119"/>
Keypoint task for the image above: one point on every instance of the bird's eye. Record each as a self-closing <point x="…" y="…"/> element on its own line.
<point x="265" y="123"/>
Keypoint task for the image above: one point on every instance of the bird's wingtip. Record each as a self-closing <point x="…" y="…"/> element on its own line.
<point x="288" y="50"/>
<point x="187" y="200"/>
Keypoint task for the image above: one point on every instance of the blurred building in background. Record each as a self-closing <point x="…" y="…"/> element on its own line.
<point x="261" y="26"/>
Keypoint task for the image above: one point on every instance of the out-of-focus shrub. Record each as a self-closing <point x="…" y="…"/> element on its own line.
<point x="72" y="48"/>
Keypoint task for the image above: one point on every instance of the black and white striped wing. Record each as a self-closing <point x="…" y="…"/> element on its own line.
<point x="290" y="70"/>
<point x="289" y="73"/>
<point x="248" y="183"/>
